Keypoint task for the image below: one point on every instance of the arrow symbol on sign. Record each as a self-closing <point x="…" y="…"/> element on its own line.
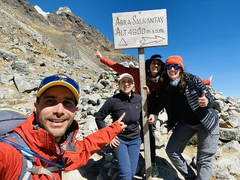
<point x="148" y="40"/>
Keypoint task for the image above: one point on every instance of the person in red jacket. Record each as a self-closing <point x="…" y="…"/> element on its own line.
<point x="154" y="68"/>
<point x="50" y="132"/>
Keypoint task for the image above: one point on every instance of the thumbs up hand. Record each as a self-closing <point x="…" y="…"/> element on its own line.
<point x="203" y="101"/>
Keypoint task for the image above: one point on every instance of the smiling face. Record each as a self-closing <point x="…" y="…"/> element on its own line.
<point x="55" y="110"/>
<point x="173" y="74"/>
<point x="126" y="85"/>
<point x="155" y="67"/>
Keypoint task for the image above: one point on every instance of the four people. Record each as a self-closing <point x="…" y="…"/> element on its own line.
<point x="188" y="104"/>
<point x="50" y="132"/>
<point x="125" y="146"/>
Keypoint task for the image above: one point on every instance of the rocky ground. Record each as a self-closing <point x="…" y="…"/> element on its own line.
<point x="161" y="158"/>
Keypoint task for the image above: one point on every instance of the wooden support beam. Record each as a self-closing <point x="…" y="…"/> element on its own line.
<point x="147" y="152"/>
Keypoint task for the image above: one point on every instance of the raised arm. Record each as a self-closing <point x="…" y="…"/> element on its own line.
<point x="207" y="81"/>
<point x="120" y="69"/>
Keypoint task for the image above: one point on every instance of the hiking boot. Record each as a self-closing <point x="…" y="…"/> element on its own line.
<point x="155" y="171"/>
<point x="193" y="178"/>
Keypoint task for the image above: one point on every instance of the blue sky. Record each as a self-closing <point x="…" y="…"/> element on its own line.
<point x="205" y="33"/>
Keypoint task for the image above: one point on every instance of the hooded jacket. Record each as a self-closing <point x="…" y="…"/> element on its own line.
<point x="75" y="153"/>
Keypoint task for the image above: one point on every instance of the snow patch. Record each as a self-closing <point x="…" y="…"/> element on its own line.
<point x="40" y="11"/>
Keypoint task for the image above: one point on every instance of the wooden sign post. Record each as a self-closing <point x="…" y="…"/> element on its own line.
<point x="147" y="152"/>
<point x="141" y="29"/>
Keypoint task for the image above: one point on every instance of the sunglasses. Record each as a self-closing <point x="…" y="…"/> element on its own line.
<point x="59" y="77"/>
<point x="175" y="66"/>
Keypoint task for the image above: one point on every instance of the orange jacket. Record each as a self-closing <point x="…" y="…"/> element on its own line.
<point x="42" y="142"/>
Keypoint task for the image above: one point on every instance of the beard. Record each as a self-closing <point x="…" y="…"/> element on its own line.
<point x="56" y="126"/>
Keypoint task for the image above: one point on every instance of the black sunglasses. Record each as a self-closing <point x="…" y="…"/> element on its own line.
<point x="175" y="66"/>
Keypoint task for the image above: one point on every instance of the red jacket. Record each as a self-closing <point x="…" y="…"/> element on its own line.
<point x="120" y="69"/>
<point x="42" y="142"/>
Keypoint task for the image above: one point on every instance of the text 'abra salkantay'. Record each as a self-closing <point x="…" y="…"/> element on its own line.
<point x="140" y="29"/>
<point x="135" y="20"/>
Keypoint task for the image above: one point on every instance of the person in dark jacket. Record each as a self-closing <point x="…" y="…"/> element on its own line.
<point x="188" y="104"/>
<point x="126" y="146"/>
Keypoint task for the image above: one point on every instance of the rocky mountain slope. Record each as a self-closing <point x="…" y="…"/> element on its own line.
<point x="61" y="29"/>
<point x="33" y="46"/>
<point x="51" y="42"/>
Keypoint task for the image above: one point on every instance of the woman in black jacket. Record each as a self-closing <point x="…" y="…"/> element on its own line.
<point x="188" y="104"/>
<point x="126" y="146"/>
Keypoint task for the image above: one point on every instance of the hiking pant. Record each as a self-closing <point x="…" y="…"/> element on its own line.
<point x="152" y="128"/>
<point x="206" y="149"/>
<point x="127" y="154"/>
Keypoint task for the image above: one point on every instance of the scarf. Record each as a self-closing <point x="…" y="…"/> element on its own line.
<point x="155" y="79"/>
<point x="175" y="83"/>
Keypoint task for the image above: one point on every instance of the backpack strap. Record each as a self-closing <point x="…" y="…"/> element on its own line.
<point x="42" y="170"/>
<point x="28" y="159"/>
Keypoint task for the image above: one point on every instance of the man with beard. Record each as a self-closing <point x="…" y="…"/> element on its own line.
<point x="50" y="134"/>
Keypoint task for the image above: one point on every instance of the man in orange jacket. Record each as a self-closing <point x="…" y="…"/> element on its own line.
<point x="50" y="132"/>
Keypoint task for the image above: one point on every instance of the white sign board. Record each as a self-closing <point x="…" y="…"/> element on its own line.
<point x="140" y="29"/>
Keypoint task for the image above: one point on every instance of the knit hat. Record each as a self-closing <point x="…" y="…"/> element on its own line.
<point x="174" y="60"/>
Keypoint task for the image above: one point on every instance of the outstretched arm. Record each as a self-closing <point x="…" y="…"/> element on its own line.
<point x="91" y="144"/>
<point x="207" y="81"/>
<point x="120" y="69"/>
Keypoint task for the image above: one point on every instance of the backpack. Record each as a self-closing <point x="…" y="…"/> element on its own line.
<point x="10" y="118"/>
